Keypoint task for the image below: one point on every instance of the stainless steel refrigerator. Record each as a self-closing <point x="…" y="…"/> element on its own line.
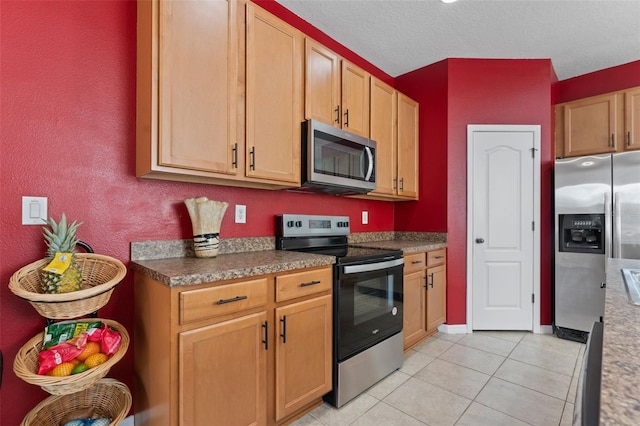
<point x="597" y="216"/>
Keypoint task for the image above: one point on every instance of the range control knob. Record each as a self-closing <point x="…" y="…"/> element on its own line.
<point x="289" y="224"/>
<point x="298" y="224"/>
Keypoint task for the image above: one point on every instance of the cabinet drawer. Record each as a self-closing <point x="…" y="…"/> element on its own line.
<point x="414" y="262"/>
<point x="436" y="257"/>
<point x="301" y="284"/>
<point x="206" y="303"/>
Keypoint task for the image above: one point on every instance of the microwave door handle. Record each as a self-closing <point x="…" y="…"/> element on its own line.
<point x="371" y="164"/>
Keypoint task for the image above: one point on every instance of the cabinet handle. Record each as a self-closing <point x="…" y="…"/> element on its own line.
<point x="415" y="262"/>
<point x="234" y="155"/>
<point x="439" y="257"/>
<point x="309" y="283"/>
<point x="395" y="184"/>
<point x="613" y="140"/>
<point x="252" y="158"/>
<point x="265" y="325"/>
<point x="346" y="118"/>
<point x="628" y="138"/>
<point x="233" y="299"/>
<point x="401" y="184"/>
<point x="283" y="320"/>
<point x="431" y="276"/>
<point x="337" y="111"/>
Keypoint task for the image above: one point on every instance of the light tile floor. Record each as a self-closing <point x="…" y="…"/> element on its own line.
<point x="486" y="378"/>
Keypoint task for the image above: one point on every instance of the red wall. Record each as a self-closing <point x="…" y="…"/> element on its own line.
<point x="478" y="91"/>
<point x="68" y="133"/>
<point x="67" y="117"/>
<point x="429" y="87"/>
<point x="598" y="82"/>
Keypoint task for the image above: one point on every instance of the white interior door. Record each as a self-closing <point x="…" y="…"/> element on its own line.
<point x="503" y="222"/>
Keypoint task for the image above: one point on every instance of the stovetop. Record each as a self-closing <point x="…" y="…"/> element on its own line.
<point x="326" y="235"/>
<point x="349" y="254"/>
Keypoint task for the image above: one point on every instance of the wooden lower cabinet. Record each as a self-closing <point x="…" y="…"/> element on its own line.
<point x="304" y="346"/>
<point x="237" y="392"/>
<point x="425" y="295"/>
<point x="414" y="299"/>
<point x="436" y="297"/>
<point x="232" y="353"/>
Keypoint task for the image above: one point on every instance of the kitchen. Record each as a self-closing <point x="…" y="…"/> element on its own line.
<point x="89" y="56"/>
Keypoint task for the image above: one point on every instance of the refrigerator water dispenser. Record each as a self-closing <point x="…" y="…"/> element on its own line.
<point x="581" y="233"/>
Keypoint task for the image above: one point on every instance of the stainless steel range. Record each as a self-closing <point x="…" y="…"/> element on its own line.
<point x="367" y="294"/>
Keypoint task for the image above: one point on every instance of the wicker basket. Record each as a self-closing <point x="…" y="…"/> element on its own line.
<point x="100" y="275"/>
<point x="25" y="365"/>
<point x="108" y="397"/>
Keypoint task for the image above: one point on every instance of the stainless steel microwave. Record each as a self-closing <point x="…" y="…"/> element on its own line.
<point x="336" y="161"/>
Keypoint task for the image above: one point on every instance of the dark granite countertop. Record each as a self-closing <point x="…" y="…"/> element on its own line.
<point x="407" y="246"/>
<point x="184" y="271"/>
<point x="620" y="391"/>
<point x="173" y="263"/>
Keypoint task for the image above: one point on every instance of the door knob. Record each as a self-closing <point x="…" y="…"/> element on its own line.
<point x="479" y="240"/>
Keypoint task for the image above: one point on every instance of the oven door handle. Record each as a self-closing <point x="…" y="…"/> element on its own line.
<point x="354" y="269"/>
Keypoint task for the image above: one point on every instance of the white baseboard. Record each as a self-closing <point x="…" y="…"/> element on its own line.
<point x="546" y="329"/>
<point x="453" y="329"/>
<point x="462" y="329"/>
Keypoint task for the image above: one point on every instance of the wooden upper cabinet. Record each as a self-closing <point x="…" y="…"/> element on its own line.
<point x="593" y="125"/>
<point x="188" y="120"/>
<point x="355" y="99"/>
<point x="274" y="114"/>
<point x="322" y="84"/>
<point x="336" y="91"/>
<point x="383" y="131"/>
<point x="632" y="119"/>
<point x="407" y="147"/>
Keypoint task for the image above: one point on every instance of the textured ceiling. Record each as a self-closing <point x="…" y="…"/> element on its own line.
<point x="397" y="36"/>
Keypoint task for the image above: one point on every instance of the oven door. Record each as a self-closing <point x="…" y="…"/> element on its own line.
<point x="369" y="305"/>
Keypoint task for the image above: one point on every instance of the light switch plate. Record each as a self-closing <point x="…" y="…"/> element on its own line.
<point x="34" y="210"/>
<point x="365" y="217"/>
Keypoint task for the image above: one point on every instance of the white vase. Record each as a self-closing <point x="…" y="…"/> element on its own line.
<point x="206" y="217"/>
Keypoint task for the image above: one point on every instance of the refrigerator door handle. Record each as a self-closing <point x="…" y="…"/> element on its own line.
<point x="617" y="226"/>
<point x="607" y="225"/>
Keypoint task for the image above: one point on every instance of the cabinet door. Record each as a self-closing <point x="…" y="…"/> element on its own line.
<point x="413" y="308"/>
<point x="591" y="125"/>
<point x="632" y="119"/>
<point x="355" y="99"/>
<point x="383" y="131"/>
<point x="407" y="147"/>
<point x="436" y="297"/>
<point x="223" y="373"/>
<point x="322" y="84"/>
<point x="274" y="97"/>
<point x="303" y="353"/>
<point x="197" y="85"/>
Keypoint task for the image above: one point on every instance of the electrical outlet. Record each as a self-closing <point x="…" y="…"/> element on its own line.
<point x="365" y="217"/>
<point x="34" y="210"/>
<point x="241" y="213"/>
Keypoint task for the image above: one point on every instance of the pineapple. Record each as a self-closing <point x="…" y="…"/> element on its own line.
<point x="61" y="240"/>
